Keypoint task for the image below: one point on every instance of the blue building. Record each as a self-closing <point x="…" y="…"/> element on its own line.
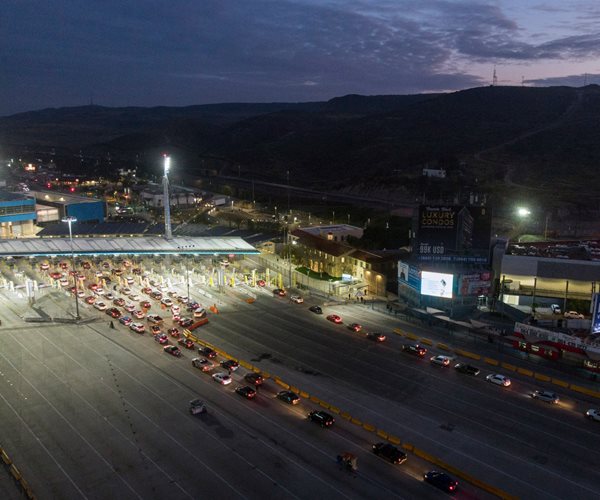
<point x="17" y="215"/>
<point x="84" y="209"/>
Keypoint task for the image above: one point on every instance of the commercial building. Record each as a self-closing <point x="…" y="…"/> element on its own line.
<point x="152" y="195"/>
<point x="17" y="215"/>
<point x="52" y="206"/>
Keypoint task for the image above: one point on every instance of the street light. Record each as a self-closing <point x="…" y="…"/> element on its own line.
<point x="69" y="221"/>
<point x="523" y="212"/>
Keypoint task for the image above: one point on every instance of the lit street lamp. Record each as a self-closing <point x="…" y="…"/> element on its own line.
<point x="69" y="221"/>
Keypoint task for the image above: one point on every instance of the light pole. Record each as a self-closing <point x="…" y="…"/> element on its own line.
<point x="69" y="221"/>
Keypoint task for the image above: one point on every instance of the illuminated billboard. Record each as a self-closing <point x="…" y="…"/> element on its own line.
<point x="437" y="284"/>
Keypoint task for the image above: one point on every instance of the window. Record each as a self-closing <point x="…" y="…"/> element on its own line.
<point x="535" y="348"/>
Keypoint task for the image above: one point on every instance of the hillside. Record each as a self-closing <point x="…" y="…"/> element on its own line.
<point x="513" y="136"/>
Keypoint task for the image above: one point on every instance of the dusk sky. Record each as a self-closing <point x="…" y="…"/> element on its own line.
<point x="175" y="53"/>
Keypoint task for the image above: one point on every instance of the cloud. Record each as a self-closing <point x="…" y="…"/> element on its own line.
<point x="568" y="81"/>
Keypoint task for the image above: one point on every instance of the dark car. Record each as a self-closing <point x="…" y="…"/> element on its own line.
<point x="321" y="417"/>
<point x="113" y="312"/>
<point x="441" y="480"/>
<point x="230" y="365"/>
<point x="174" y="332"/>
<point x="289" y="397"/>
<point x="173" y="350"/>
<point x="466" y="368"/>
<point x="316" y="309"/>
<point x="119" y="302"/>
<point x="246" y="391"/>
<point x="414" y="349"/>
<point x="389" y="452"/>
<point x="254" y="378"/>
<point x="125" y="320"/>
<point x="207" y="352"/>
<point x="185" y="322"/>
<point x="144" y="304"/>
<point x="187" y="343"/>
<point x="376" y="337"/>
<point x="279" y="292"/>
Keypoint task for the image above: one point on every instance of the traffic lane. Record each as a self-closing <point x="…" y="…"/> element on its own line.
<point x="337" y="357"/>
<point x="169" y="393"/>
<point x="156" y="439"/>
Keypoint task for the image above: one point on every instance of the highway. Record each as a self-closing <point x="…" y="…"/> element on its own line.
<point x="92" y="411"/>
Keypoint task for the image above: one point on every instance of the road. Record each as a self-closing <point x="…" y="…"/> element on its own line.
<point x="95" y="412"/>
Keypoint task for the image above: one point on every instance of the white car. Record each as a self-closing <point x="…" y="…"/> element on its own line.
<point x="135" y="297"/>
<point x="199" y="313"/>
<point x="593" y="414"/>
<point x="129" y="307"/>
<point x="203" y="364"/>
<point x="175" y="309"/>
<point x="573" y="315"/>
<point x="99" y="291"/>
<point x="137" y="327"/>
<point x="297" y="299"/>
<point x="64" y="282"/>
<point x="129" y="280"/>
<point x="167" y="302"/>
<point x="440" y="360"/>
<point x="555" y="308"/>
<point x="222" y="378"/>
<point x="496" y="378"/>
<point x="101" y="306"/>
<point x="546" y="396"/>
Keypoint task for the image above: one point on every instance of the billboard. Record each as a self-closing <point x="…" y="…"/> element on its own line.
<point x="453" y="233"/>
<point x="475" y="283"/>
<point x="595" y="313"/>
<point x="409" y="275"/>
<point x="437" y="284"/>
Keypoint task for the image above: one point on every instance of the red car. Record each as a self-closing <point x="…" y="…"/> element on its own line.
<point x="261" y="283"/>
<point x="174" y="332"/>
<point x="56" y="275"/>
<point x="187" y="343"/>
<point x="90" y="299"/>
<point x="147" y="290"/>
<point x="119" y="302"/>
<point x="113" y="312"/>
<point x="161" y="338"/>
<point x="145" y="304"/>
<point x="173" y="350"/>
<point x="376" y="337"/>
<point x="92" y="286"/>
<point x="334" y="318"/>
<point x="355" y="327"/>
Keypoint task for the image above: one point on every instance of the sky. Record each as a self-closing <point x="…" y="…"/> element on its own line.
<point x="182" y="52"/>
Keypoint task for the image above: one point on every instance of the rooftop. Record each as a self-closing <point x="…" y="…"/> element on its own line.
<point x="59" y="197"/>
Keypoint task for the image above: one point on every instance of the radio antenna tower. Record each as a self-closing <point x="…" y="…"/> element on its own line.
<point x="495" y="78"/>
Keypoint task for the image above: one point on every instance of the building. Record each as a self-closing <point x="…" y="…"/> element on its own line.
<point x="17" y="215"/>
<point x="354" y="270"/>
<point x="152" y="195"/>
<point x="53" y="206"/>
<point x="439" y="173"/>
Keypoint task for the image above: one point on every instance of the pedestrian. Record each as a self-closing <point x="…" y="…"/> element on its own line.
<point x="112" y="325"/>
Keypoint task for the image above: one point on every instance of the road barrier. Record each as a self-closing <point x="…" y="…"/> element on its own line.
<point x="16" y="474"/>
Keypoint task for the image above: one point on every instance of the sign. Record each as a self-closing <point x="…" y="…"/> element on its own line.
<point x="529" y="331"/>
<point x="595" y="313"/>
<point x="475" y="284"/>
<point x="453" y="233"/>
<point x="409" y="275"/>
<point x="437" y="284"/>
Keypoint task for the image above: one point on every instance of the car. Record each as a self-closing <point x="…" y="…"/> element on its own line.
<point x="90" y="299"/>
<point x="175" y="309"/>
<point x="546" y="396"/>
<point x="297" y="299"/>
<point x="167" y="302"/>
<point x="199" y="313"/>
<point x="185" y="322"/>
<point x="137" y="327"/>
<point x="414" y="349"/>
<point x="156" y="295"/>
<point x="80" y="294"/>
<point x="144" y="304"/>
<point x="86" y="265"/>
<point x="197" y="406"/>
<point x="126" y="290"/>
<point x="56" y="275"/>
<point x="441" y="480"/>
<point x="230" y="365"/>
<point x="64" y="265"/>
<point x="138" y="314"/>
<point x="119" y="302"/>
<point x="161" y="338"/>
<point x="222" y="378"/>
<point x="99" y="274"/>
<point x="44" y="266"/>
<point x="182" y="300"/>
<point x="129" y="307"/>
<point x="254" y="378"/>
<point x="81" y="277"/>
<point x="279" y="292"/>
<point x="101" y="306"/>
<point x="173" y="350"/>
<point x="64" y="282"/>
<point x="321" y="417"/>
<point x="261" y="283"/>
<point x="176" y="318"/>
<point x="172" y="293"/>
<point x="113" y="312"/>
<point x="573" y="315"/>
<point x="187" y="343"/>
<point x="289" y="397"/>
<point x="129" y="280"/>
<point x="496" y="378"/>
<point x="376" y="337"/>
<point x="136" y="270"/>
<point x="246" y="391"/>
<point x="154" y="318"/>
<point x="593" y="414"/>
<point x="109" y="296"/>
<point x="355" y="327"/>
<point x="389" y="452"/>
<point x="174" y="332"/>
<point x="134" y="296"/>
<point x="117" y="272"/>
<point x="203" y="364"/>
<point x="99" y="291"/>
<point x="316" y="309"/>
<point x="192" y="306"/>
<point x="125" y="320"/>
<point x="467" y="369"/>
<point x="155" y="329"/>
<point x="147" y="290"/>
<point x="555" y="308"/>
<point x="440" y="360"/>
<point x="334" y="318"/>
<point x="207" y="351"/>
<point x="92" y="286"/>
<point x="106" y="265"/>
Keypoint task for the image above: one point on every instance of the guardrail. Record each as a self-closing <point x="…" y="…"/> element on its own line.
<point x="359" y="423"/>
